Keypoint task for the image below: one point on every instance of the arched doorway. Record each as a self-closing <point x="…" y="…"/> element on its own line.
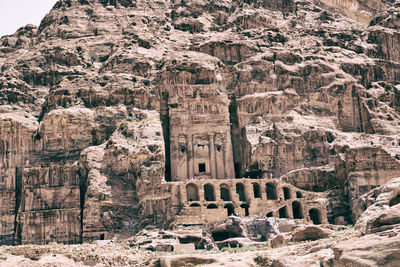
<point x="286" y="193"/>
<point x="283" y="212"/>
<point x="256" y="190"/>
<point x="192" y="192"/>
<point x="209" y="192"/>
<point x="297" y="210"/>
<point x="224" y="192"/>
<point x="240" y="191"/>
<point x="315" y="216"/>
<point x="271" y="191"/>
<point x="230" y="209"/>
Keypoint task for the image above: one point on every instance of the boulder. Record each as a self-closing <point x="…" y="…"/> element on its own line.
<point x="310" y="232"/>
<point x="279" y="241"/>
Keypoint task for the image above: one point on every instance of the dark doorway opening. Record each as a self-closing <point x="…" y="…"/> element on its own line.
<point x="256" y="190"/>
<point x="271" y="192"/>
<point x="297" y="210"/>
<point x="286" y="193"/>
<point x="209" y="192"/>
<point x="230" y="209"/>
<point x="315" y="216"/>
<point x="240" y="191"/>
<point x="283" y="212"/>
<point x="224" y="191"/>
<point x="246" y="209"/>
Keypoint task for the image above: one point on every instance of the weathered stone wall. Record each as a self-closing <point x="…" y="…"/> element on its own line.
<point x="211" y="201"/>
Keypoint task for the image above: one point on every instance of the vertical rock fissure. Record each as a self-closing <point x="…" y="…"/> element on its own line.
<point x="164" y="116"/>
<point x="236" y="137"/>
<point x="18" y="195"/>
<point x="82" y="195"/>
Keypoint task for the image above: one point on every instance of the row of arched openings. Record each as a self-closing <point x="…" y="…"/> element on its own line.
<point x="209" y="194"/>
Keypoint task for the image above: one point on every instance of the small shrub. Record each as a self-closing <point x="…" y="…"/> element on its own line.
<point x="93" y="56"/>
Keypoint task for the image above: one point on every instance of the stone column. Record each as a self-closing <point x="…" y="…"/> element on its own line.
<point x="174" y="159"/>
<point x="213" y="162"/>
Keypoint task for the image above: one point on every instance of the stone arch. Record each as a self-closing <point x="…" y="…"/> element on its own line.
<point x="286" y="193"/>
<point x="246" y="209"/>
<point x="283" y="212"/>
<point x="240" y="191"/>
<point x="209" y="192"/>
<point x="297" y="210"/>
<point x="230" y="209"/>
<point x="225" y="192"/>
<point x="394" y="201"/>
<point x="256" y="190"/>
<point x="270" y="214"/>
<point x="271" y="191"/>
<point x="299" y="194"/>
<point x="192" y="192"/>
<point x="315" y="216"/>
<point x="212" y="206"/>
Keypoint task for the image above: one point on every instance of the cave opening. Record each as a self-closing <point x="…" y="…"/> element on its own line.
<point x="165" y="123"/>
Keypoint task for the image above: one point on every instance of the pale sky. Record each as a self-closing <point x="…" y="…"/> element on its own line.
<point x="18" y="13"/>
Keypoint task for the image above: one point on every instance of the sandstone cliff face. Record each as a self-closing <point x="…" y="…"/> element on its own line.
<point x="109" y="106"/>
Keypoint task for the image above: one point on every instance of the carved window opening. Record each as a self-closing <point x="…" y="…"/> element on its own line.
<point x="183" y="149"/>
<point x="195" y="205"/>
<point x="101" y="236"/>
<point x="299" y="194"/>
<point x="271" y="191"/>
<point x="240" y="191"/>
<point x="270" y="214"/>
<point x="297" y="210"/>
<point x="286" y="193"/>
<point x="209" y="192"/>
<point x="202" y="167"/>
<point x="256" y="190"/>
<point x="283" y="212"/>
<point x="192" y="192"/>
<point x="230" y="209"/>
<point x="218" y="148"/>
<point x="224" y="192"/>
<point x="315" y="216"/>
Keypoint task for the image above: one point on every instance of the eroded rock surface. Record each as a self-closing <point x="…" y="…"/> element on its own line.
<point x="121" y="115"/>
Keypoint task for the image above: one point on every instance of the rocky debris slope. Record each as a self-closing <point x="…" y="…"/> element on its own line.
<point x="86" y="97"/>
